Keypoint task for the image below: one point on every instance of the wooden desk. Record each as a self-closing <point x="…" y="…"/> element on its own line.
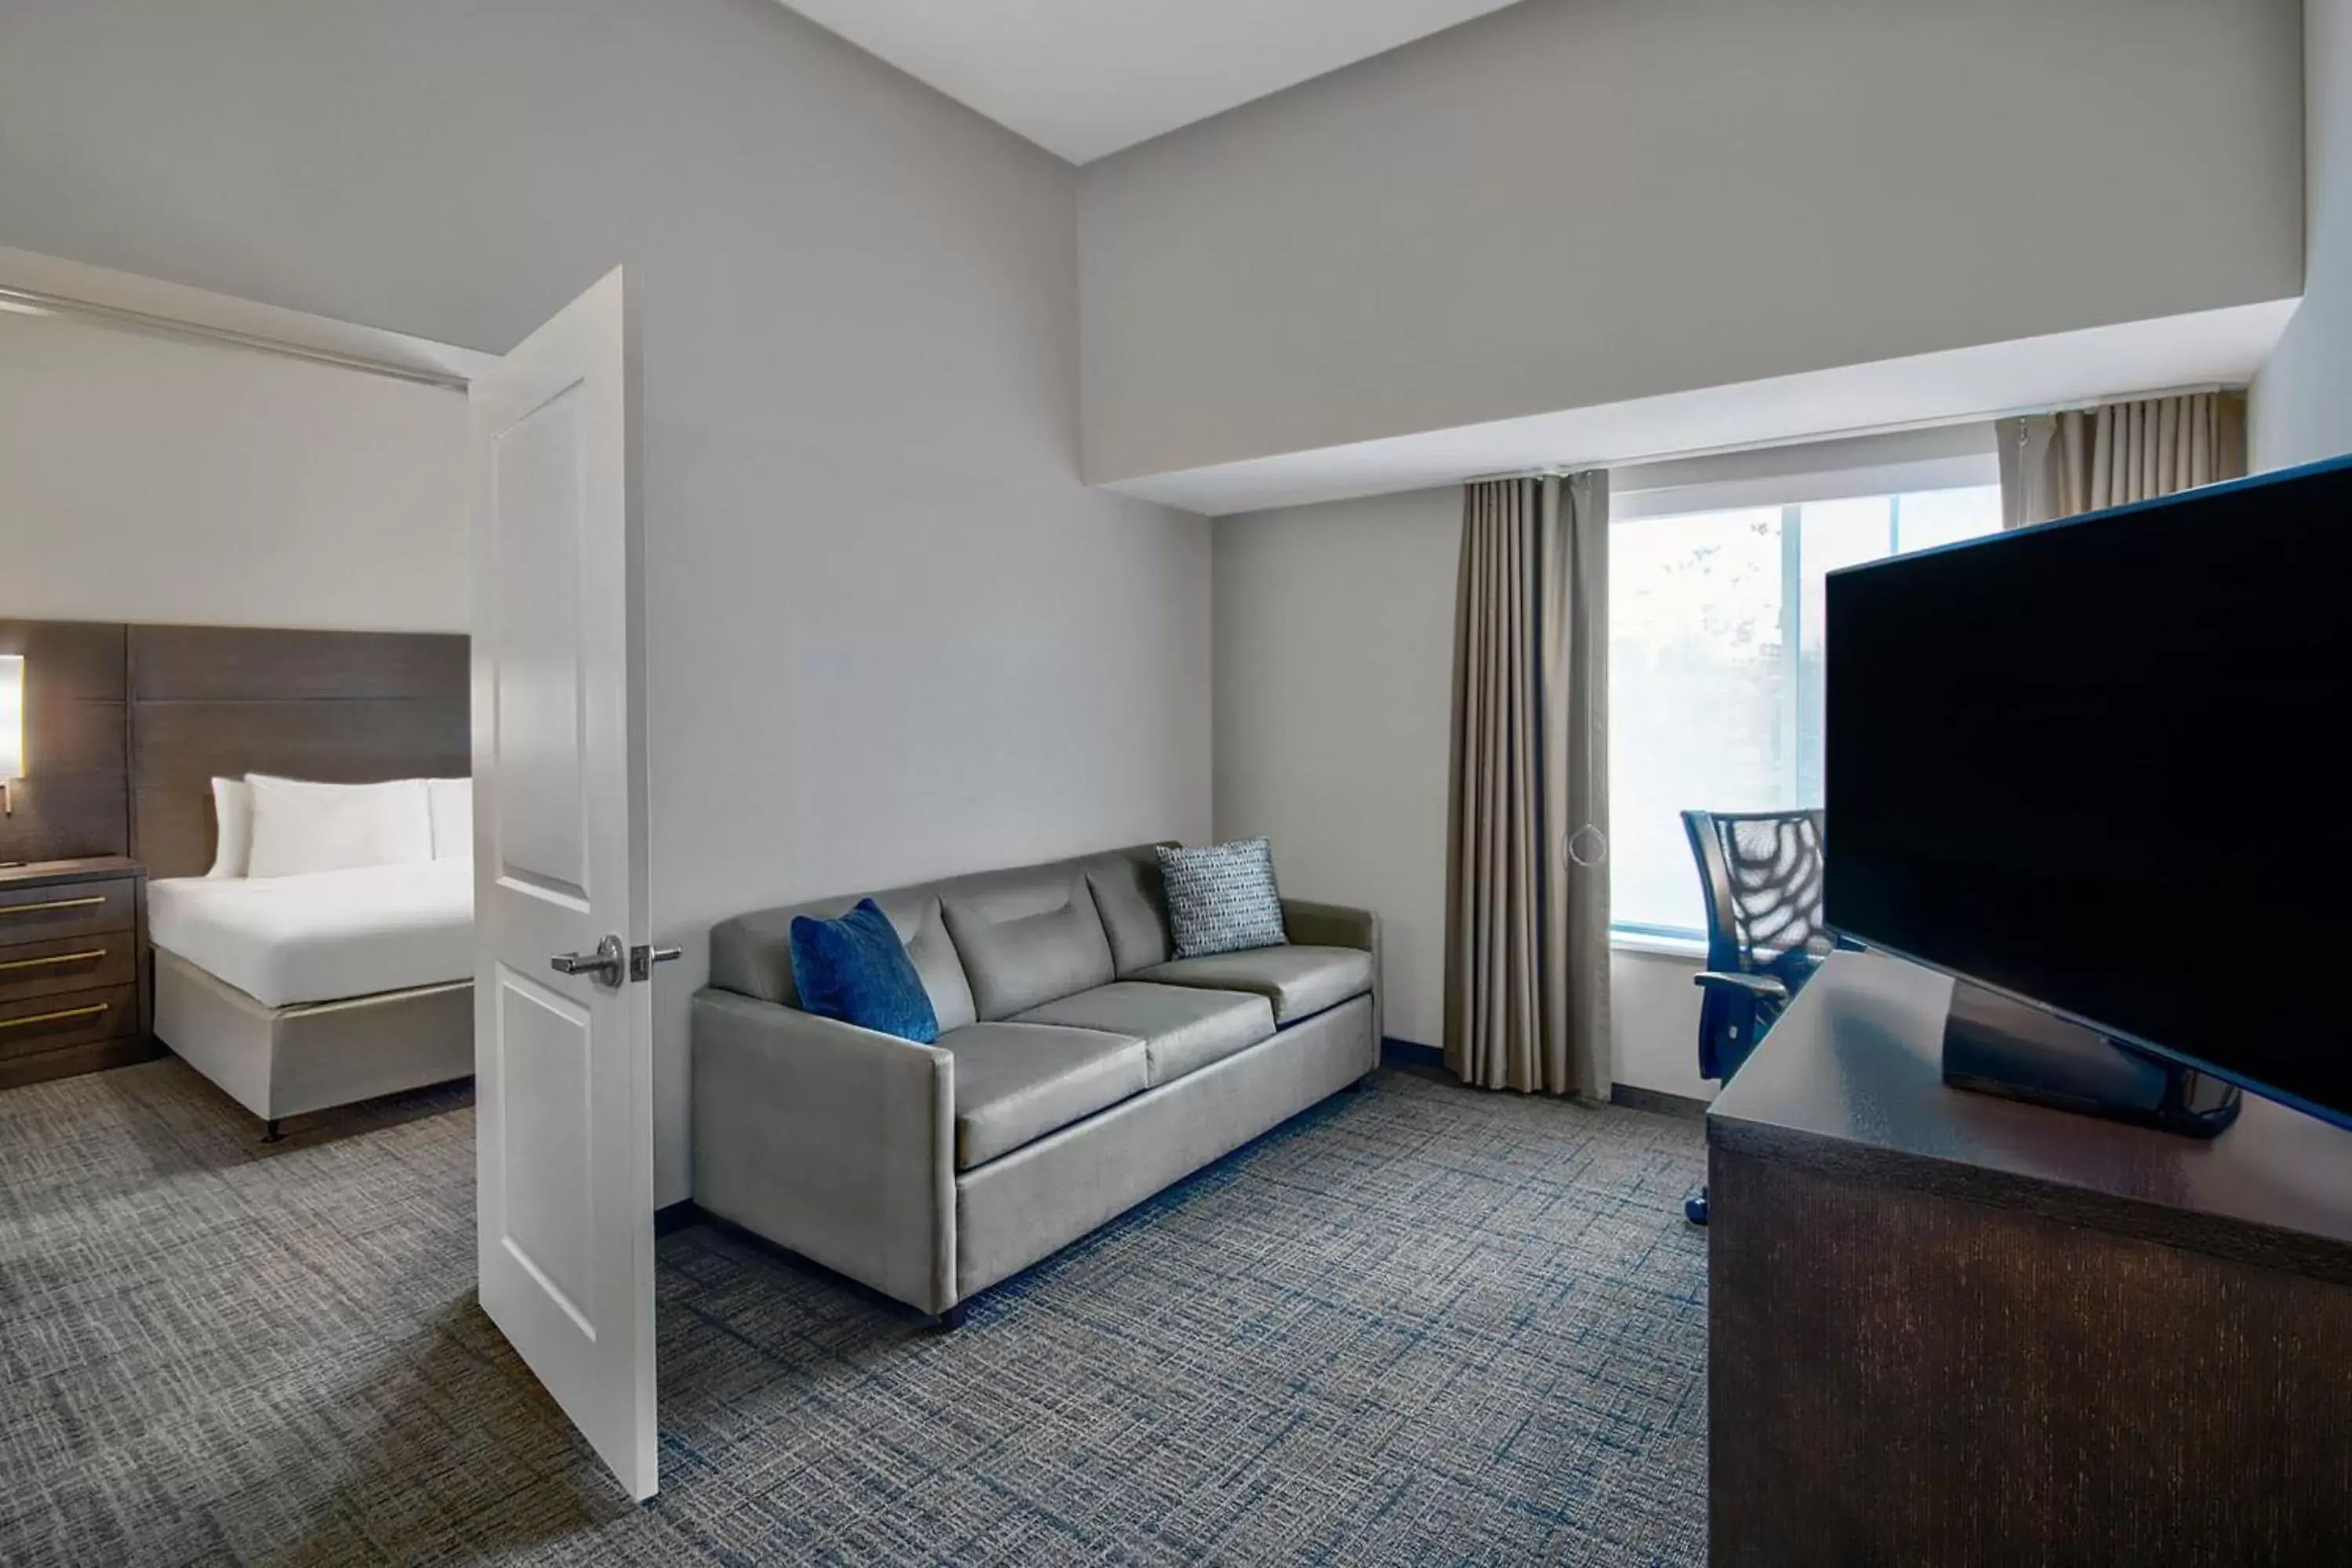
<point x="1950" y="1328"/>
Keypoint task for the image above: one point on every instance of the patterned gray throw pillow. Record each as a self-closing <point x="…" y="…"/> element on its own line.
<point x="1221" y="897"/>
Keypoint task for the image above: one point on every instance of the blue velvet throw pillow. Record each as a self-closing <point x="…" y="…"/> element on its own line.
<point x="857" y="970"/>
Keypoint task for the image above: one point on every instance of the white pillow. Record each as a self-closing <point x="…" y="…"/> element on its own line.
<point x="233" y="838"/>
<point x="452" y="804"/>
<point x="299" y="827"/>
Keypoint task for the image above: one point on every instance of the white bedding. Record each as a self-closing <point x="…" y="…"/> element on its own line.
<point x="323" y="936"/>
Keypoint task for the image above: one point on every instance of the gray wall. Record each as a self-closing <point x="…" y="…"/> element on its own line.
<point x="2303" y="399"/>
<point x="1334" y="681"/>
<point x="890" y="635"/>
<point x="1573" y="202"/>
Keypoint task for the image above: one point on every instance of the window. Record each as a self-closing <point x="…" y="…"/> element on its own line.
<point x="1715" y="668"/>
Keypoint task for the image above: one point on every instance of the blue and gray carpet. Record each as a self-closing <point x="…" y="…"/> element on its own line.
<point x="1422" y="1324"/>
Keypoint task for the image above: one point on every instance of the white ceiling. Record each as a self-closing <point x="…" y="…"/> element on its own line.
<point x="1086" y="78"/>
<point x="2213" y="347"/>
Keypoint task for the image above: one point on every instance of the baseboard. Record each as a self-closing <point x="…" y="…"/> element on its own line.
<point x="1396" y="1053"/>
<point x="1407" y="1057"/>
<point x="677" y="1217"/>
<point x="1635" y="1098"/>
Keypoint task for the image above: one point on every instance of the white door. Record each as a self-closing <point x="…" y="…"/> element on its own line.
<point x="562" y="1042"/>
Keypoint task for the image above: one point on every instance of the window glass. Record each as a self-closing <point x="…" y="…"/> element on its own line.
<point x="1716" y="668"/>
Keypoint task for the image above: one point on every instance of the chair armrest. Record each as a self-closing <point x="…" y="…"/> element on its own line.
<point x="836" y="1142"/>
<point x="1762" y="987"/>
<point x="1310" y="924"/>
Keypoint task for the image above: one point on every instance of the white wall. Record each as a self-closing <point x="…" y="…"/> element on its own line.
<point x="890" y="634"/>
<point x="1575" y="202"/>
<point x="1654" y="1022"/>
<point x="152" y="478"/>
<point x="1334" y="700"/>
<point x="2302" y="407"/>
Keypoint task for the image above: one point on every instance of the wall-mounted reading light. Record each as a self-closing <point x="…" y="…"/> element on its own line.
<point x="12" y="726"/>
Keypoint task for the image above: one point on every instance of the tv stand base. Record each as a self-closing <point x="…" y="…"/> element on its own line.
<point x="1995" y="1045"/>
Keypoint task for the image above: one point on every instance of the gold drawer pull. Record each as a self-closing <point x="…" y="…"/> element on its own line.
<point x="92" y="1011"/>
<point x="54" y="960"/>
<point x="52" y="904"/>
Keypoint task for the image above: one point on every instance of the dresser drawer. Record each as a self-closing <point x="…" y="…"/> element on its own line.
<point x="75" y="1018"/>
<point x="76" y="963"/>
<point x="68" y="909"/>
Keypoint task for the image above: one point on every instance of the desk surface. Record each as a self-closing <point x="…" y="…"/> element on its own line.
<point x="1850" y="1079"/>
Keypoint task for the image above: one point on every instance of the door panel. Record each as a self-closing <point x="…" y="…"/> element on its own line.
<point x="541" y="685"/>
<point x="544" y="1071"/>
<point x="565" y="1066"/>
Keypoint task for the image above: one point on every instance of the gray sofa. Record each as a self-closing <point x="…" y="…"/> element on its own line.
<point x="1078" y="1071"/>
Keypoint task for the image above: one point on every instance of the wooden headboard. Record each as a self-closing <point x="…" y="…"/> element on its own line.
<point x="341" y="707"/>
<point x="125" y="727"/>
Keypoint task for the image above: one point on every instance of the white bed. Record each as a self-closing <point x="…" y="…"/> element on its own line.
<point x="328" y="936"/>
<point x="321" y="988"/>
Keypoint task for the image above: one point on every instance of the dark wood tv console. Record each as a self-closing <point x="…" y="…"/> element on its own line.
<point x="1951" y="1328"/>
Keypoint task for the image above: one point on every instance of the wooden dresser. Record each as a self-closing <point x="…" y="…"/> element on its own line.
<point x="1950" y="1327"/>
<point x="73" y="973"/>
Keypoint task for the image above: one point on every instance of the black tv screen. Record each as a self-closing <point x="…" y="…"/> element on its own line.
<point x="2100" y="765"/>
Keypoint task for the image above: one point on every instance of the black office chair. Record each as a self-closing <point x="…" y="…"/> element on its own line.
<point x="1761" y="873"/>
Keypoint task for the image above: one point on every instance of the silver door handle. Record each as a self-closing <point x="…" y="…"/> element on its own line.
<point x="642" y="959"/>
<point x="604" y="966"/>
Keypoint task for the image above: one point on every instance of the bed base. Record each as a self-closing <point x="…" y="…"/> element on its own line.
<point x="286" y="1061"/>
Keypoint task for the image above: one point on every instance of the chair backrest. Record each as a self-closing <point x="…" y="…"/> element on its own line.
<point x="1762" y="875"/>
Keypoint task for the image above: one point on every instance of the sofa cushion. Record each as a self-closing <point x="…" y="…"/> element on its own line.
<point x="1182" y="1027"/>
<point x="1026" y="937"/>
<point x="857" y="970"/>
<point x="1222" y="897"/>
<point x="1299" y="980"/>
<point x="1133" y="905"/>
<point x="752" y="955"/>
<point x="1016" y="1082"/>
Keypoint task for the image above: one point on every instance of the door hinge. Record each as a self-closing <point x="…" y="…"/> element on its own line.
<point x="642" y="959"/>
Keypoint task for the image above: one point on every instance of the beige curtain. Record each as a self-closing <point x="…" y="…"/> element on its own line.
<point x="2062" y="464"/>
<point x="1527" y="897"/>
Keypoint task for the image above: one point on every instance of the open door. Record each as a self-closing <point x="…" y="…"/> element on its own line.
<point x="562" y="1013"/>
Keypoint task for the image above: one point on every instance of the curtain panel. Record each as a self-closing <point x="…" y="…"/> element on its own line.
<point x="2083" y="459"/>
<point x="1527" y="907"/>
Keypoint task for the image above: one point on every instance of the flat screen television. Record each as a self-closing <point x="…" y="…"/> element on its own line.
<point x="2099" y="767"/>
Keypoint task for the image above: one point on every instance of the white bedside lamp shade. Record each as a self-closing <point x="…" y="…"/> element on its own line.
<point x="12" y="721"/>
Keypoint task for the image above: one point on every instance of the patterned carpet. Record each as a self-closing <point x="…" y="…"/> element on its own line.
<point x="1418" y="1325"/>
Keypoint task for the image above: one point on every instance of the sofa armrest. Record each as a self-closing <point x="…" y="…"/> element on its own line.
<point x="833" y="1141"/>
<point x="1310" y="924"/>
